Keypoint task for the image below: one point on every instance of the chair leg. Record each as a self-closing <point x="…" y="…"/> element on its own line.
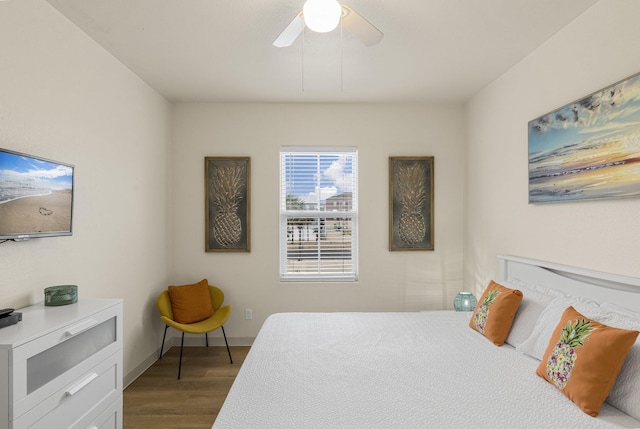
<point x="180" y="364"/>
<point x="163" y="337"/>
<point x="206" y="335"/>
<point x="225" y="341"/>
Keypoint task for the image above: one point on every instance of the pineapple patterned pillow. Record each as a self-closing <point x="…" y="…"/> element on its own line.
<point x="495" y="311"/>
<point x="583" y="359"/>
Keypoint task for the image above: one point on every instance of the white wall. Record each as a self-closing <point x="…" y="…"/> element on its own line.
<point x="63" y="97"/>
<point x="598" y="49"/>
<point x="139" y="203"/>
<point x="388" y="280"/>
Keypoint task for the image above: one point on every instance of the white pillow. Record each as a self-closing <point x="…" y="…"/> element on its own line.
<point x="537" y="342"/>
<point x="620" y="310"/>
<point x="516" y="283"/>
<point x="625" y="394"/>
<point x="533" y="302"/>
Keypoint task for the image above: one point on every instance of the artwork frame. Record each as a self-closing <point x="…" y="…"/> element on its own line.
<point x="587" y="149"/>
<point x="411" y="208"/>
<point x="227" y="203"/>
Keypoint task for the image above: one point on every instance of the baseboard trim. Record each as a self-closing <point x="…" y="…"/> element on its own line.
<point x="132" y="375"/>
<point x="189" y="341"/>
<point x="198" y="341"/>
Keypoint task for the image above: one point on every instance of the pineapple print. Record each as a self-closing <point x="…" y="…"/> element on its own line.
<point x="411" y="193"/>
<point x="226" y="192"/>
<point x="480" y="316"/>
<point x="563" y="357"/>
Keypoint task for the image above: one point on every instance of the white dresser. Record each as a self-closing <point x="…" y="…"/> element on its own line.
<point x="61" y="367"/>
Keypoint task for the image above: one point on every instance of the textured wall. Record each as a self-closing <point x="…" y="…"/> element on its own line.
<point x="64" y="98"/>
<point x="388" y="280"/>
<point x="598" y="49"/>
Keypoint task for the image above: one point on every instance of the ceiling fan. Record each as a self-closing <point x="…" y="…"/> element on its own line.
<point x="323" y="16"/>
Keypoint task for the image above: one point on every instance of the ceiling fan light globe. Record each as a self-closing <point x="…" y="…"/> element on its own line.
<point x="322" y="16"/>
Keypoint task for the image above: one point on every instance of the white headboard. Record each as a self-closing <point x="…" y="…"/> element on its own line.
<point x="598" y="286"/>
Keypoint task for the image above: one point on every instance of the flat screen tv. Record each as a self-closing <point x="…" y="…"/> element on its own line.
<point x="36" y="197"/>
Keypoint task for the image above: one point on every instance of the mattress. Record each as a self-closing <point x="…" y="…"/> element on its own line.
<point x="393" y="370"/>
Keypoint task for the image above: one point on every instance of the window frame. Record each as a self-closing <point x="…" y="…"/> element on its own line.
<point x="285" y="214"/>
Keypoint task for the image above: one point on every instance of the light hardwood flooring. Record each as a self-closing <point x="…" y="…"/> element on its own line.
<point x="157" y="400"/>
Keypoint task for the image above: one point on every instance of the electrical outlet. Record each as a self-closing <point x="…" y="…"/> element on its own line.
<point x="248" y="314"/>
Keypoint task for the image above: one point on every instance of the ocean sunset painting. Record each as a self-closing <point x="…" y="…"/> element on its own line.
<point x="589" y="149"/>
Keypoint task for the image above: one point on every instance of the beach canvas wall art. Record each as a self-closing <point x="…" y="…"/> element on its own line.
<point x="588" y="149"/>
<point x="227" y="204"/>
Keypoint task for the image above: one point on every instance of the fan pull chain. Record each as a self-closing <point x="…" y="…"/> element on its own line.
<point x="302" y="61"/>
<point x="341" y="57"/>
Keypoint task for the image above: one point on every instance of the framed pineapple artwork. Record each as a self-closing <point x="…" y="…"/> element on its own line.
<point x="227" y="204"/>
<point x="410" y="203"/>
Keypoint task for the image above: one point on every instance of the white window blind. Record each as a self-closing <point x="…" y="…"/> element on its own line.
<point x="318" y="213"/>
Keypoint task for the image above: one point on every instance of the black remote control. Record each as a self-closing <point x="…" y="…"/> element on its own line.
<point x="6" y="312"/>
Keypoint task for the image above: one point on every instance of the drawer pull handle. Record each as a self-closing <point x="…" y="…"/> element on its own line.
<point x="81" y="327"/>
<point x="79" y="386"/>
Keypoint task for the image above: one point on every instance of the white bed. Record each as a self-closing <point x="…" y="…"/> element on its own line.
<point x="416" y="370"/>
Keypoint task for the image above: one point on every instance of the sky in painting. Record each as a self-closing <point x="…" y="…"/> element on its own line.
<point x="25" y="171"/>
<point x="613" y="110"/>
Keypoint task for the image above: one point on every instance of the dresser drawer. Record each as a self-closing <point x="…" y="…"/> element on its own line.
<point x="44" y="367"/>
<point x="83" y="399"/>
<point x="110" y="418"/>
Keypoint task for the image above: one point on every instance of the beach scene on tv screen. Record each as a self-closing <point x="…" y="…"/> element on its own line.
<point x="35" y="195"/>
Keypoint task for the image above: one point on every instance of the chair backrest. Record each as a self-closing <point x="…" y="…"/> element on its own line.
<point x="164" y="302"/>
<point x="164" y="305"/>
<point x="217" y="297"/>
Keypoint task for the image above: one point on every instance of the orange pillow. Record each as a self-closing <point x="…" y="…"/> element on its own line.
<point x="191" y="303"/>
<point x="583" y="359"/>
<point x="495" y="311"/>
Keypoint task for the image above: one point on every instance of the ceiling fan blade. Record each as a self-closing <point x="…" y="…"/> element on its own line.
<point x="291" y="32"/>
<point x="360" y="27"/>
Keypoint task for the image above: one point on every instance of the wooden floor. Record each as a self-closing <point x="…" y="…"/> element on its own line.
<point x="157" y="400"/>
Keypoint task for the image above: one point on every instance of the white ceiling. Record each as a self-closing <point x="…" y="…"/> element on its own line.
<point x="221" y="50"/>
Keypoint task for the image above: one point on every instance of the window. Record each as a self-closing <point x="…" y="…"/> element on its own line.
<point x="318" y="213"/>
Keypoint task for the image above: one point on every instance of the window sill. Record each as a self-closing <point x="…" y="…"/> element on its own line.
<point x="318" y="279"/>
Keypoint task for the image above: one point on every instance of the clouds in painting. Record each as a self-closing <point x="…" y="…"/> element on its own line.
<point x="599" y="111"/>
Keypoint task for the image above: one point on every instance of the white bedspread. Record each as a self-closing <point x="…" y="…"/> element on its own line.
<point x="393" y="370"/>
